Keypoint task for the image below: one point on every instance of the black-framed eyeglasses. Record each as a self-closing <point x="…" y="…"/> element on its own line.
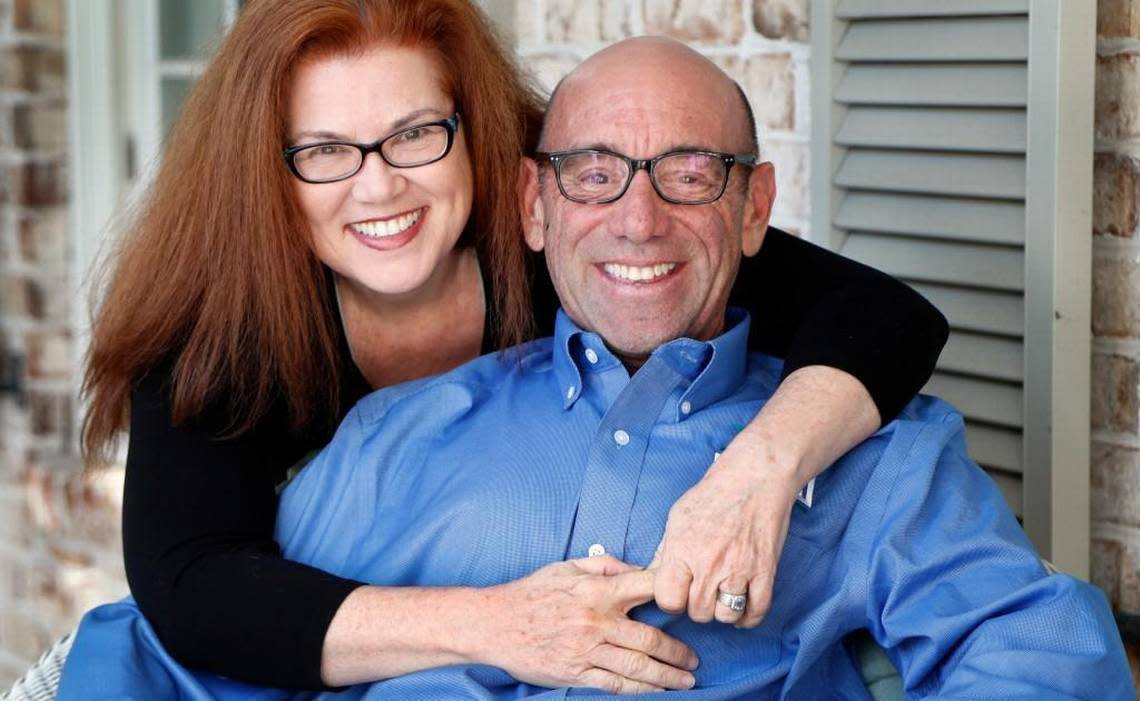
<point x="595" y="176"/>
<point x="329" y="161"/>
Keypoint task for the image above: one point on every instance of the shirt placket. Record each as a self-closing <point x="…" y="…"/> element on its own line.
<point x="616" y="457"/>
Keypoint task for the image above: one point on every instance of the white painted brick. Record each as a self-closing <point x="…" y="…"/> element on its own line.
<point x="548" y="68"/>
<point x="1116" y="297"/>
<point x="1118" y="96"/>
<point x="1115" y="393"/>
<point x="715" y="22"/>
<point x="769" y="82"/>
<point x="792" y="177"/>
<point x="1116" y="195"/>
<point x="1115" y="489"/>
<point x="781" y="19"/>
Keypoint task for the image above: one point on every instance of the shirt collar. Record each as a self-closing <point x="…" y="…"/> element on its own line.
<point x="714" y="369"/>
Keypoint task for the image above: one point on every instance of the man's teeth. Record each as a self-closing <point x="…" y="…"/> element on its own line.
<point x="388" y="227"/>
<point x="635" y="273"/>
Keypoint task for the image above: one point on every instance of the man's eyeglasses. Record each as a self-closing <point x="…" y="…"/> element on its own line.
<point x="593" y="176"/>
<point x="329" y="161"/>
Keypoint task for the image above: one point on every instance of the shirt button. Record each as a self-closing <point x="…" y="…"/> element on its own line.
<point x="621" y="437"/>
<point x="596" y="550"/>
<point x="570" y="392"/>
<point x="591" y="355"/>
<point x="686" y="407"/>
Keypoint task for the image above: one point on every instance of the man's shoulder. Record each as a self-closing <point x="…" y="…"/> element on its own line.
<point x="472" y="380"/>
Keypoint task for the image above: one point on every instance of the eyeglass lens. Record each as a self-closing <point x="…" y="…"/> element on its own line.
<point x="411" y="147"/>
<point x="681" y="177"/>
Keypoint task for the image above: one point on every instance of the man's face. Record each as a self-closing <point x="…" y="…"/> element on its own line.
<point x="641" y="271"/>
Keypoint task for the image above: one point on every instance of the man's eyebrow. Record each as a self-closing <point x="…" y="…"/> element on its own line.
<point x="602" y="146"/>
<point x="407" y="120"/>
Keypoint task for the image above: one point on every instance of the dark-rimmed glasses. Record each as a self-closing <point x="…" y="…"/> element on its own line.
<point x="330" y="161"/>
<point x="595" y="176"/>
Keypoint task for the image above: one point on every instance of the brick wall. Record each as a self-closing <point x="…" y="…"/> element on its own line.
<point x="1116" y="311"/>
<point x="59" y="550"/>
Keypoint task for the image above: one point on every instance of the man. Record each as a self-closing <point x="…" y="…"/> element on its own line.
<point x="483" y="476"/>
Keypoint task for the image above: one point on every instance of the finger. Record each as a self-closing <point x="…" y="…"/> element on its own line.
<point x="615" y="683"/>
<point x="671" y="587"/>
<point x="604" y="564"/>
<point x="759" y="601"/>
<point x="730" y="585"/>
<point x="702" y="598"/>
<point x="639" y="667"/>
<point x="651" y="641"/>
<point x="633" y="588"/>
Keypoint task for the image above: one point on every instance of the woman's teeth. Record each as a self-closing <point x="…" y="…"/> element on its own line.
<point x="635" y="273"/>
<point x="388" y="227"/>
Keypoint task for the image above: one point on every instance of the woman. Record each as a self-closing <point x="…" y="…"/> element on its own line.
<point x="257" y="298"/>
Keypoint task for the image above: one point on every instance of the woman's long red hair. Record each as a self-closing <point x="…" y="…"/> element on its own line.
<point x="217" y="275"/>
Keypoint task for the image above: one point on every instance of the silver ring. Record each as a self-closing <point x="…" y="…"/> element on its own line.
<point x="736" y="602"/>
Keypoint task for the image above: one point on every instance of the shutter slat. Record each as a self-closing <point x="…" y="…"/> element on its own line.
<point x="988" y="221"/>
<point x="970" y="39"/>
<point x="983" y="400"/>
<point x="995" y="447"/>
<point x="862" y="9"/>
<point x="938" y="261"/>
<point x="981" y="175"/>
<point x="978" y="310"/>
<point x="998" y="131"/>
<point x="984" y="356"/>
<point x="977" y="85"/>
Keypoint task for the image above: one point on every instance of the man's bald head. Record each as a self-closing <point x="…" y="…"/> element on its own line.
<point x="643" y="59"/>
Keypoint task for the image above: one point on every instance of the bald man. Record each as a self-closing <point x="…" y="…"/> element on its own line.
<point x="458" y="492"/>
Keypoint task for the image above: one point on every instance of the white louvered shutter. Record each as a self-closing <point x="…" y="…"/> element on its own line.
<point x="924" y="120"/>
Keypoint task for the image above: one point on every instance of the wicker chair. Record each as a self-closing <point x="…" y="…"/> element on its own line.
<point x="41" y="682"/>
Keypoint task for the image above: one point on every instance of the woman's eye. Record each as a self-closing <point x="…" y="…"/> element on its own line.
<point x="411" y="135"/>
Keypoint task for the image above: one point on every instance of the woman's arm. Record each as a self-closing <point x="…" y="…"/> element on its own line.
<point x="857" y="345"/>
<point x="564" y="625"/>
<point x="198" y="517"/>
<point x="198" y="523"/>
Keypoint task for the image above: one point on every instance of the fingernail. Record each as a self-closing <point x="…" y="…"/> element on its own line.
<point x="694" y="662"/>
<point x="690" y="682"/>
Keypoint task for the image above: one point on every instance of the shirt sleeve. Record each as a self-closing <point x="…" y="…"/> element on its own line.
<point x="810" y="306"/>
<point x="198" y="520"/>
<point x="963" y="605"/>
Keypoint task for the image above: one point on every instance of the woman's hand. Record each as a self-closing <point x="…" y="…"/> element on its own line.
<point x="727" y="532"/>
<point x="567" y="625"/>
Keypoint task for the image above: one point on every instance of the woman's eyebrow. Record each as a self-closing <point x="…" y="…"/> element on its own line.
<point x="406" y="120"/>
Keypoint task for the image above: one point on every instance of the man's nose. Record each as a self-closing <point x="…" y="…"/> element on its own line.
<point x="377" y="181"/>
<point x="639" y="210"/>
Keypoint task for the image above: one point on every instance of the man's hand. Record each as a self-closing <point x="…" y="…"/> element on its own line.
<point x="728" y="531"/>
<point x="566" y="625"/>
<point x="726" y="534"/>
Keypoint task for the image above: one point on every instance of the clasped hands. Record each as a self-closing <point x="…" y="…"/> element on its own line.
<point x="569" y="624"/>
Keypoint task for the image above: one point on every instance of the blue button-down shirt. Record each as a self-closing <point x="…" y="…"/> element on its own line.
<point x="487" y="473"/>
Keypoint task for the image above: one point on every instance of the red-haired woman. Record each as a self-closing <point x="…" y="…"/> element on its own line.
<point x="256" y="298"/>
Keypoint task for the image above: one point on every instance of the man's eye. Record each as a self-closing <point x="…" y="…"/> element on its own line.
<point x="594" y="177"/>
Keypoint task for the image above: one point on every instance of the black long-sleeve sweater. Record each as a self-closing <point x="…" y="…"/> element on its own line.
<point x="199" y="511"/>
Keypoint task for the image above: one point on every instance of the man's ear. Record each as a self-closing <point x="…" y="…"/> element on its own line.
<point x="530" y="205"/>
<point x="758" y="207"/>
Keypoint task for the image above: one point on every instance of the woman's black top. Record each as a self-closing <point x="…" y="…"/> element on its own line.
<point x="199" y="511"/>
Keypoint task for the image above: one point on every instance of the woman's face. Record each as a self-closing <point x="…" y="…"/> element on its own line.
<point x="386" y="230"/>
